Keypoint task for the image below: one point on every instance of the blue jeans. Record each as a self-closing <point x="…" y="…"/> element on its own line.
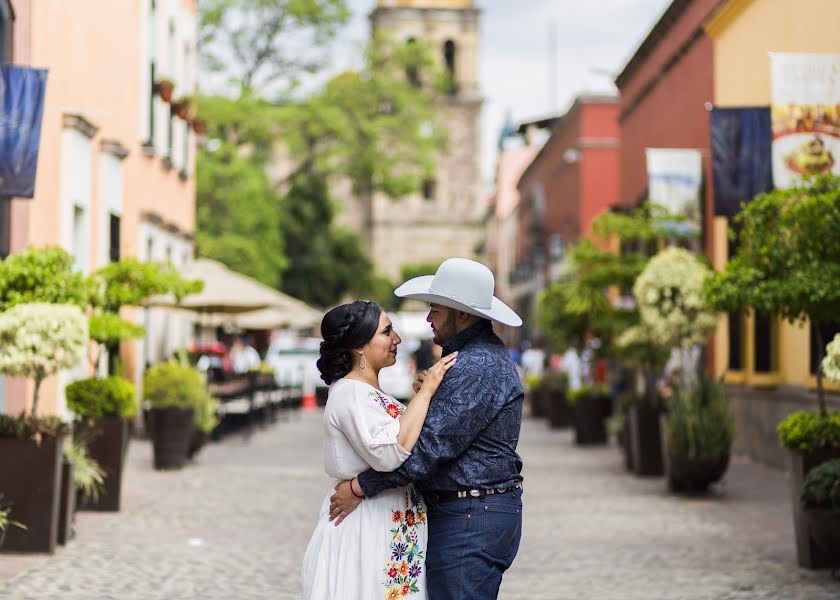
<point x="472" y="542"/>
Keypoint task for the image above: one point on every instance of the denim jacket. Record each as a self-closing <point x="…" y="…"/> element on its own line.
<point x="471" y="431"/>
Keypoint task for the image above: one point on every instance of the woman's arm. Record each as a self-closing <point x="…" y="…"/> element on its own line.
<point x="411" y="421"/>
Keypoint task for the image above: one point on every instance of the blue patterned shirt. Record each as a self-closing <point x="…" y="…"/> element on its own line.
<point x="471" y="430"/>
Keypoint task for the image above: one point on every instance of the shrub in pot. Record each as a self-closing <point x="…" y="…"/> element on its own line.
<point x="104" y="407"/>
<point x="821" y="505"/>
<point x="172" y="390"/>
<point x="588" y="404"/>
<point x="533" y="385"/>
<point x="699" y="430"/>
<point x="553" y="394"/>
<point x="36" y="340"/>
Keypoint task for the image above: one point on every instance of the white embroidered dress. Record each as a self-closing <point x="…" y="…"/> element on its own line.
<point x="378" y="551"/>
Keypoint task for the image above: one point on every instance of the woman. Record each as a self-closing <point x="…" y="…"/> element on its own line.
<point x="378" y="551"/>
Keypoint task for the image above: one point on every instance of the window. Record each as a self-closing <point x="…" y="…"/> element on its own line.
<point x="764" y="343"/>
<point x="5" y="226"/>
<point x="412" y="71"/>
<point x="429" y="189"/>
<point x="114" y="246"/>
<point x="736" y="347"/>
<point x="152" y="97"/>
<point x="80" y="238"/>
<point x="5" y="32"/>
<point x="449" y="59"/>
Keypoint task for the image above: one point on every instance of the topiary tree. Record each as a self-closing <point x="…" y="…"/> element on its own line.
<point x="788" y="259"/>
<point x="36" y="340"/>
<point x="42" y="275"/>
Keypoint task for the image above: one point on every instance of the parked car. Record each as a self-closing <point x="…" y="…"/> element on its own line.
<point x="293" y="361"/>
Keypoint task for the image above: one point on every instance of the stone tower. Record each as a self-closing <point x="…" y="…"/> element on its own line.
<point x="445" y="219"/>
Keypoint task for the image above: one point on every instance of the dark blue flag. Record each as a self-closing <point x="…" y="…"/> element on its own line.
<point x="741" y="161"/>
<point x="21" y="108"/>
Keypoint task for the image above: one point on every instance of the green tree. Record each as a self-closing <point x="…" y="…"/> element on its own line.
<point x="788" y="259"/>
<point x="42" y="275"/>
<point x="257" y="43"/>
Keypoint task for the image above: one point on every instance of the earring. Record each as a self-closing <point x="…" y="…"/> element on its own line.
<point x="362" y="362"/>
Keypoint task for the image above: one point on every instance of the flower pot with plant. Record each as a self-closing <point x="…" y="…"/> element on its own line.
<point x="587" y="404"/>
<point x="36" y="340"/>
<point x="84" y="483"/>
<point x="553" y="390"/>
<point x="164" y="89"/>
<point x="6" y="521"/>
<point x="172" y="390"/>
<point x="205" y="420"/>
<point x="820" y="500"/>
<point x="104" y="407"/>
<point x="182" y="108"/>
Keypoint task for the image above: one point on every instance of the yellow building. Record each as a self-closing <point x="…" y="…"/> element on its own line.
<point x="770" y="354"/>
<point x="116" y="166"/>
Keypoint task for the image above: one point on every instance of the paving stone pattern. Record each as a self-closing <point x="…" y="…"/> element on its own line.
<point x="235" y="524"/>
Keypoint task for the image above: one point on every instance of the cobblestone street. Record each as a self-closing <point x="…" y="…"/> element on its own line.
<point x="236" y="523"/>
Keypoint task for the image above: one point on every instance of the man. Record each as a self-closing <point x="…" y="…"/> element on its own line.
<point x="465" y="462"/>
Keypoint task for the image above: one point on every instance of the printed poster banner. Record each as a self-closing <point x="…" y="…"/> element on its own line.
<point x="21" y="108"/>
<point x="805" y="115"/>
<point x="674" y="178"/>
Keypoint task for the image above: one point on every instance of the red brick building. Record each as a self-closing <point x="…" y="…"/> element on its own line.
<point x="572" y="179"/>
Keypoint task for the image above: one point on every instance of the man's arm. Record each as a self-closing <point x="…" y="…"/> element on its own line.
<point x="461" y="409"/>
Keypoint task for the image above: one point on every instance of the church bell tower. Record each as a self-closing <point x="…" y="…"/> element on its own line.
<point x="445" y="218"/>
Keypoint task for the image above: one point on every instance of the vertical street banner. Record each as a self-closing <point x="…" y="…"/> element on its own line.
<point x="674" y="179"/>
<point x="805" y="115"/>
<point x="21" y="109"/>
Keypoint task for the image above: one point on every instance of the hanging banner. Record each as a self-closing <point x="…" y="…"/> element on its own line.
<point x="674" y="178"/>
<point x="21" y="109"/>
<point x="805" y="114"/>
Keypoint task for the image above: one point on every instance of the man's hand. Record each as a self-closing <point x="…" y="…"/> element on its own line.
<point x="343" y="502"/>
<point x="418" y="382"/>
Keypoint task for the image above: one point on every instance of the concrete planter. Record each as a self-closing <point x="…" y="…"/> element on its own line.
<point x="67" y="509"/>
<point x="558" y="411"/>
<point x="645" y="440"/>
<point x="172" y="430"/>
<point x="107" y="440"/>
<point x="590" y="426"/>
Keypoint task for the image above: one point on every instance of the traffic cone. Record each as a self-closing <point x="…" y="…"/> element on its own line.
<point x="308" y="398"/>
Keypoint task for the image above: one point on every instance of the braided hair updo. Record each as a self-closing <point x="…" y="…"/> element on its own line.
<point x="345" y="328"/>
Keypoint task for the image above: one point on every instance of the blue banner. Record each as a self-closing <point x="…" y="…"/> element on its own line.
<point x="21" y="109"/>
<point x="741" y="156"/>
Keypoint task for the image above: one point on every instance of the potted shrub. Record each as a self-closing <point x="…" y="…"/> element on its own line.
<point x="553" y="395"/>
<point x="172" y="390"/>
<point x="699" y="430"/>
<point x="182" y="107"/>
<point x="205" y="421"/>
<point x="199" y="126"/>
<point x="164" y="89"/>
<point x="104" y="407"/>
<point x="590" y="414"/>
<point x="6" y="521"/>
<point x="36" y="340"/>
<point x="533" y="390"/>
<point x="788" y="265"/>
<point x="821" y="505"/>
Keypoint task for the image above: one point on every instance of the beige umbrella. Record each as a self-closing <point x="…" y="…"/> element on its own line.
<point x="227" y="293"/>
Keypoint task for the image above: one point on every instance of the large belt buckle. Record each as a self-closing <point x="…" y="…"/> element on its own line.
<point x="475" y="493"/>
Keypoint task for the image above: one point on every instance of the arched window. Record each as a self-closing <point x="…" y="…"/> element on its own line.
<point x="449" y="59"/>
<point x="412" y="69"/>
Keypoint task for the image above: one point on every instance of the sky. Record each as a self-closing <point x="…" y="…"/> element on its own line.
<point x="594" y="40"/>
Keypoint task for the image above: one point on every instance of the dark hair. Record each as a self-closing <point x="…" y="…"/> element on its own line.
<point x="345" y="328"/>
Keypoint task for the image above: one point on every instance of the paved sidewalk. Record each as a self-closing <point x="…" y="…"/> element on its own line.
<point x="235" y="526"/>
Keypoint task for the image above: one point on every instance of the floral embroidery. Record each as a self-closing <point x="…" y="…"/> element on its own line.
<point x="394" y="409"/>
<point x="405" y="564"/>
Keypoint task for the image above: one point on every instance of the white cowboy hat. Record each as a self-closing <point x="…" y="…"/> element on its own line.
<point x="464" y="285"/>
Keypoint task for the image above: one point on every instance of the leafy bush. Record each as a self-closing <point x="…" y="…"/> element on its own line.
<point x="173" y="385"/>
<point x="532" y="381"/>
<point x="37" y="340"/>
<point x="6" y="520"/>
<point x="42" y="275"/>
<point x="587" y="391"/>
<point x="109" y="328"/>
<point x="205" y="418"/>
<point x="109" y="397"/>
<point x="822" y="487"/>
<point x="35" y="428"/>
<point x="699" y="422"/>
<point x="88" y="475"/>
<point x="806" y="431"/>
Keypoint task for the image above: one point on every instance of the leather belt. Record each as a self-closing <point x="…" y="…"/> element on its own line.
<point x="443" y="495"/>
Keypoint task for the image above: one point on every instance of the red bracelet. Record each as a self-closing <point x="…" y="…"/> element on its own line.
<point x="354" y="491"/>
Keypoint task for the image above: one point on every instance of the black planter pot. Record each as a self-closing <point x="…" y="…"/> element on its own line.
<point x="535" y="403"/>
<point x="590" y="428"/>
<point x="67" y="509"/>
<point x="31" y="483"/>
<point x="645" y="440"/>
<point x="199" y="438"/>
<point x="107" y="440"/>
<point x="809" y="553"/>
<point x="824" y="526"/>
<point x="559" y="412"/>
<point x="321" y="394"/>
<point x="694" y="475"/>
<point x="624" y="443"/>
<point x="171" y="430"/>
